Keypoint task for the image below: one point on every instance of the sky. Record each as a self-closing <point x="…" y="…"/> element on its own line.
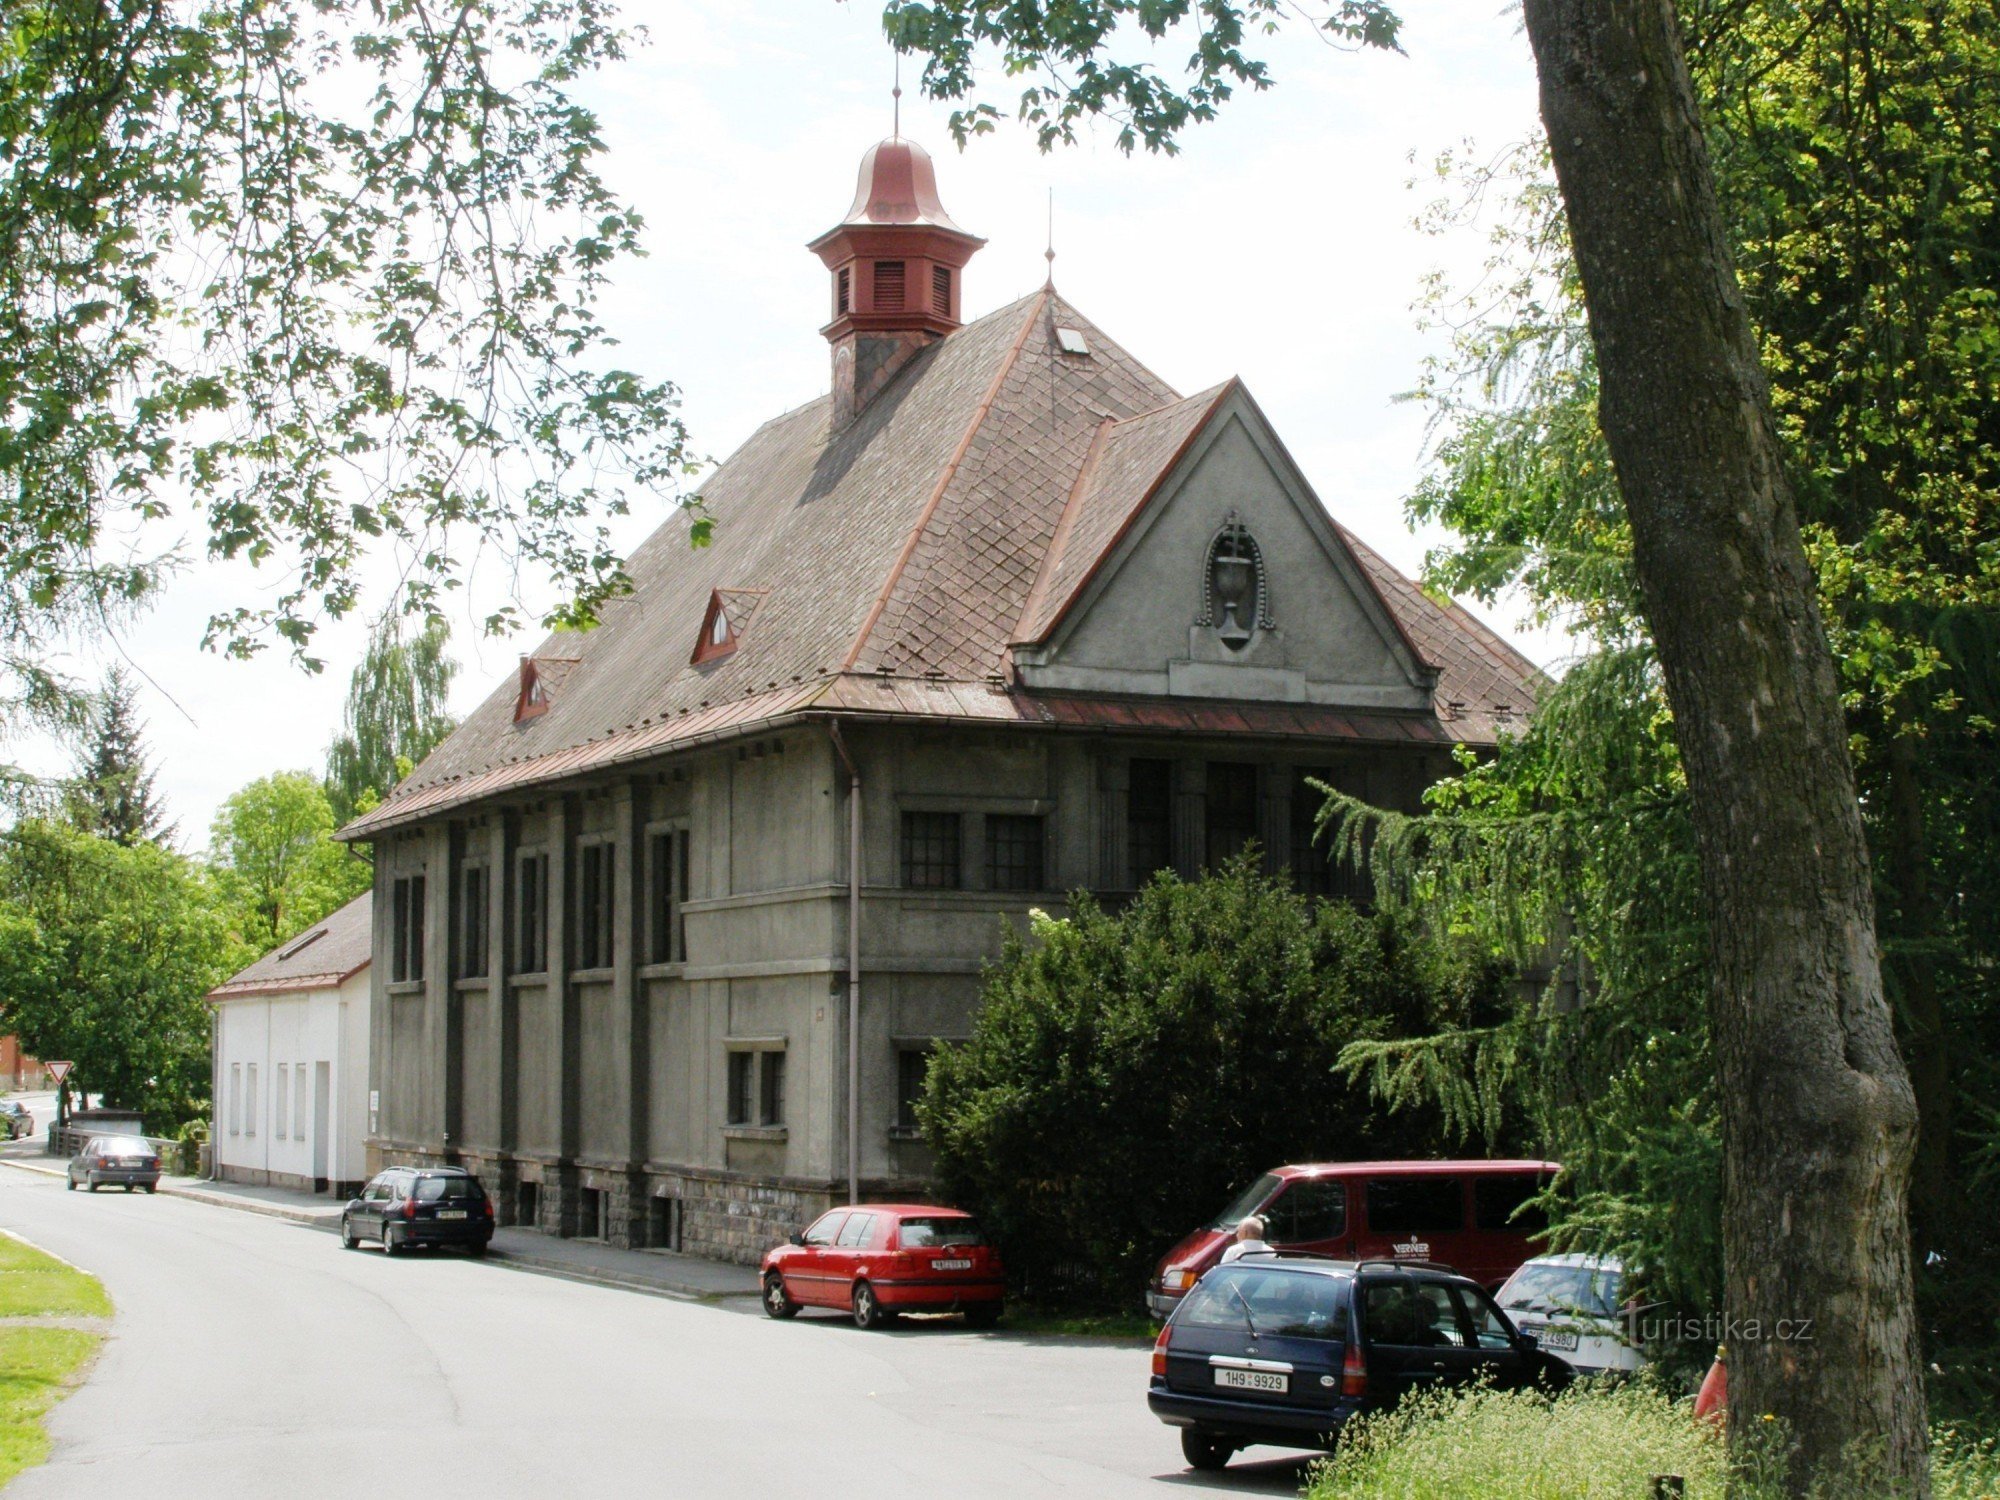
<point x="1279" y="246"/>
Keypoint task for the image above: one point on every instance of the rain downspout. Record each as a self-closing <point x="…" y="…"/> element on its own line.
<point x="853" y="966"/>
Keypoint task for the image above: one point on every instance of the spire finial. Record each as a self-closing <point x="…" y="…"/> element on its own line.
<point x="896" y="98"/>
<point x="1049" y="254"/>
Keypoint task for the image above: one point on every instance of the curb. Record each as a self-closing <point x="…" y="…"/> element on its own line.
<point x="329" y="1223"/>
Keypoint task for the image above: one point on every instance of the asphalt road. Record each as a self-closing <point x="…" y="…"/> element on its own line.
<point x="251" y="1357"/>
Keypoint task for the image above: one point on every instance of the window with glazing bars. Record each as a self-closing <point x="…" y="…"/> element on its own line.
<point x="1013" y="852"/>
<point x="531" y="914"/>
<point x="771" y="1089"/>
<point x="930" y="850"/>
<point x="667" y="888"/>
<point x="912" y="1063"/>
<point x="473" y="956"/>
<point x="1149" y="808"/>
<point x="406" y="920"/>
<point x="593" y="905"/>
<point x="742" y="1080"/>
<point x="1232" y="809"/>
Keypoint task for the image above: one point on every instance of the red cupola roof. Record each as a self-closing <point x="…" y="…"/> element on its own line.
<point x="898" y="185"/>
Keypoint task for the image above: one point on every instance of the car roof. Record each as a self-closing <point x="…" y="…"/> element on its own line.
<point x="926" y="1210"/>
<point x="1411" y="1168"/>
<point x="1313" y="1265"/>
<point x="1576" y="1258"/>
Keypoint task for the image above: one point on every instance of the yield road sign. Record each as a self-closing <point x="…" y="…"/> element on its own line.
<point x="58" y="1070"/>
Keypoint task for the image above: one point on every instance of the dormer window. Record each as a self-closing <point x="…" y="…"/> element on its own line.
<point x="533" y="699"/>
<point x="729" y="612"/>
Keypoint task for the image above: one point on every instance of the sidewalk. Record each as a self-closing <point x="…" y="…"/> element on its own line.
<point x="661" y="1273"/>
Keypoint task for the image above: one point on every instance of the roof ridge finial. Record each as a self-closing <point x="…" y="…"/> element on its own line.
<point x="1049" y="254"/>
<point x="896" y="101"/>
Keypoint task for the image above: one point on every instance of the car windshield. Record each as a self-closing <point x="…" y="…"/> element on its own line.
<point x="448" y="1190"/>
<point x="926" y="1234"/>
<point x="1538" y="1287"/>
<point x="1266" y="1302"/>
<point x="1246" y="1202"/>
<point x="122" y="1145"/>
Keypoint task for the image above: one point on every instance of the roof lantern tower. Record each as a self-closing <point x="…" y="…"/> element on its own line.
<point x="896" y="261"/>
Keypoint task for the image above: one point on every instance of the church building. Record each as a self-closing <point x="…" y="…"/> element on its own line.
<point x="665" y="931"/>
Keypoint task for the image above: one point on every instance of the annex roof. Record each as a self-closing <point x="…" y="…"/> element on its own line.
<point x="893" y="562"/>
<point x="322" y="957"/>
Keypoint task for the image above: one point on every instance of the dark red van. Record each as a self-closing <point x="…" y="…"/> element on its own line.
<point x="1457" y="1213"/>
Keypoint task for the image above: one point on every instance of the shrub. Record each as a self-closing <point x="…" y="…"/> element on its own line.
<point x="1126" y="1074"/>
<point x="1598" y="1439"/>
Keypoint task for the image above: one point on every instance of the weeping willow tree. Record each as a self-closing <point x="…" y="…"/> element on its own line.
<point x="1571" y="853"/>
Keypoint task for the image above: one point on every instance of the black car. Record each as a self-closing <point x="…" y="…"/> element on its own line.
<point x="405" y="1207"/>
<point x="1274" y="1350"/>
<point x="126" y="1161"/>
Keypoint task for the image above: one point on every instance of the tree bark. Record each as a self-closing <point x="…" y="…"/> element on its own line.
<point x="1819" y="1123"/>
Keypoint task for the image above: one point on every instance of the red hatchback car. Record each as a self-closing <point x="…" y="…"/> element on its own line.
<point x="875" y="1260"/>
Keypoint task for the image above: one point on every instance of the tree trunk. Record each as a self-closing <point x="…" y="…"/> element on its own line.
<point x="1819" y="1123"/>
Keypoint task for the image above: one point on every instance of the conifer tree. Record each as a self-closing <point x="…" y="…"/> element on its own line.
<point x="112" y="794"/>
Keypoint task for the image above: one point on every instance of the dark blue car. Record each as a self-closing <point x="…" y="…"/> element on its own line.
<point x="1283" y="1351"/>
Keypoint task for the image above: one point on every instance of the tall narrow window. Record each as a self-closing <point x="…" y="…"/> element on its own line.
<point x="742" y="1083"/>
<point x="281" y="1111"/>
<point x="593" y="905"/>
<point x="236" y="1098"/>
<point x="473" y="907"/>
<point x="406" y="947"/>
<point x="1149" y="806"/>
<point x="531" y="914"/>
<point x="912" y="1063"/>
<point x="299" y="1102"/>
<point x="1311" y="857"/>
<point x="771" y="1088"/>
<point x="250" y="1099"/>
<point x="666" y="881"/>
<point x="888" y="286"/>
<point x="930" y="851"/>
<point x="1232" y="809"/>
<point x="1013" y="852"/>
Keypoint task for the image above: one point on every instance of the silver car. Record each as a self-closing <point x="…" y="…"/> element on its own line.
<point x="126" y="1161"/>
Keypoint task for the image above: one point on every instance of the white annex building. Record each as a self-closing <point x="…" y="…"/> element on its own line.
<point x="291" y="1060"/>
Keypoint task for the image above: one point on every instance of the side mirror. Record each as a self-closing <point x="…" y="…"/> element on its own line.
<point x="798" y="1236"/>
<point x="1531" y="1341"/>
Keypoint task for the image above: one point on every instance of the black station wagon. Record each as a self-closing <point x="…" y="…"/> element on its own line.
<point x="1274" y="1350"/>
<point x="406" y="1207"/>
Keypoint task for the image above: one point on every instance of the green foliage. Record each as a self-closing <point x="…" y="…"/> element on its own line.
<point x="275" y="857"/>
<point x="37" y="1366"/>
<point x="322" y="273"/>
<point x="106" y="950"/>
<point x="1070" y="51"/>
<point x="1126" y="1074"/>
<point x="1597" y="1439"/>
<point x="395" y="714"/>
<point x="112" y="792"/>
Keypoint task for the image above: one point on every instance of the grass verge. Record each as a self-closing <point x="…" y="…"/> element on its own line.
<point x="38" y="1364"/>
<point x="1594" y="1442"/>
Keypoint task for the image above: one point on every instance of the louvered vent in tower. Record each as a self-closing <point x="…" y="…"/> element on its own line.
<point x="888" y="286"/>
<point x="941" y="290"/>
<point x="843" y="291"/>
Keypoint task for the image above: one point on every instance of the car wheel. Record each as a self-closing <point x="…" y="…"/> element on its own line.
<point x="778" y="1302"/>
<point x="985" y="1315"/>
<point x="128" y="1187"/>
<point x="868" y="1309"/>
<point x="390" y="1244"/>
<point x="477" y="1249"/>
<point x="1204" y="1452"/>
<point x="347" y="1239"/>
<point x="71" y="1183"/>
<point x="152" y="1187"/>
<point x="93" y="1184"/>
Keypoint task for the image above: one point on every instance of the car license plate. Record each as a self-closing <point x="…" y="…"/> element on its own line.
<point x="451" y="1213"/>
<point x="951" y="1265"/>
<point x="1558" y="1338"/>
<point x="1254" y="1380"/>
